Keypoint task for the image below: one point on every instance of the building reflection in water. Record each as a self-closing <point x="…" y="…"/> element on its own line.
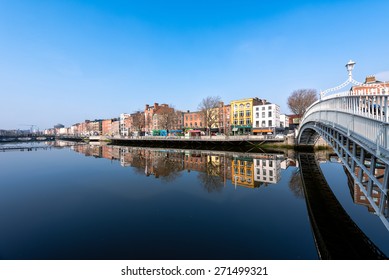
<point x="214" y="169"/>
<point x="377" y="196"/>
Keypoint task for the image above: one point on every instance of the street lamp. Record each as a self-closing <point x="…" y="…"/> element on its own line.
<point x="350" y="67"/>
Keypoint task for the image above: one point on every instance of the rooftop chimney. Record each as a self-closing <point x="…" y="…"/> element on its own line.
<point x="370" y="79"/>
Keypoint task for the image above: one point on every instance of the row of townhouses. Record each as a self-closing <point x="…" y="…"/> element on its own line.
<point x="253" y="116"/>
<point x="244" y="116"/>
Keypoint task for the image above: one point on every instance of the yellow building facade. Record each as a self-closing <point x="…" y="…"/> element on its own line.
<point x="241" y="115"/>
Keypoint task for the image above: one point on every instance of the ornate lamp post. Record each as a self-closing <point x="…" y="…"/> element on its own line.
<point x="350" y="67"/>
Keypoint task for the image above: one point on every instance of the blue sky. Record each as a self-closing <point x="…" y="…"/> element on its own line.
<point x="67" y="61"/>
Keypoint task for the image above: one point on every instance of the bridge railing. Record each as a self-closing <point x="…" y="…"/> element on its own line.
<point x="364" y="116"/>
<point x="369" y="106"/>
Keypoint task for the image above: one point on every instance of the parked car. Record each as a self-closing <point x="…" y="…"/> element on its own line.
<point x="279" y="136"/>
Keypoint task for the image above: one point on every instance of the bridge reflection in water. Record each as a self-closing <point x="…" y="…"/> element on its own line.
<point x="336" y="235"/>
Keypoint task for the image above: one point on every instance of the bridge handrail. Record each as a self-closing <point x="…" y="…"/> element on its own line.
<point x="351" y="92"/>
<point x="353" y="107"/>
<point x="340" y="94"/>
<point x="364" y="116"/>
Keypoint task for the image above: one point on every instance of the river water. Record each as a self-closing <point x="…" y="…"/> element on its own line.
<point x="77" y="201"/>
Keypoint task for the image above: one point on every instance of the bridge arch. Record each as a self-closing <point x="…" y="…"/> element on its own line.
<point x="309" y="134"/>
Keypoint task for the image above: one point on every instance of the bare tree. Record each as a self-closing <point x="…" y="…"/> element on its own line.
<point x="209" y="108"/>
<point x="296" y="184"/>
<point x="167" y="119"/>
<point x="138" y="121"/>
<point x="167" y="166"/>
<point x="301" y="99"/>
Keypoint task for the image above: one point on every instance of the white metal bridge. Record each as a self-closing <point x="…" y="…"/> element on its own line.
<point x="355" y="125"/>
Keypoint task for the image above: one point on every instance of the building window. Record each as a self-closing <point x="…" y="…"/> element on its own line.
<point x="263" y="114"/>
<point x="263" y="124"/>
<point x="270" y="123"/>
<point x="269" y="107"/>
<point x="248" y="113"/>
<point x="263" y="108"/>
<point x="257" y="124"/>
<point x="256" y="109"/>
<point x="247" y="122"/>
<point x="269" y="114"/>
<point x="241" y="122"/>
<point x="247" y="105"/>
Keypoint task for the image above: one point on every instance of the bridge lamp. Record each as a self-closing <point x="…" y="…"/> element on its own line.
<point x="350" y="67"/>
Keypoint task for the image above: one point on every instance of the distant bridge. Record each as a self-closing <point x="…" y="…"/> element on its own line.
<point x="8" y="148"/>
<point x="24" y="138"/>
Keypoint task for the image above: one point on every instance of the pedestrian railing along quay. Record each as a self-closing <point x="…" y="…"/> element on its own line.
<point x="269" y="138"/>
<point x="250" y="142"/>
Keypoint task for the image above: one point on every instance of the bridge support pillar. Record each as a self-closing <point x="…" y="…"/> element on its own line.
<point x="354" y="157"/>
<point x="372" y="173"/>
<point x="362" y="160"/>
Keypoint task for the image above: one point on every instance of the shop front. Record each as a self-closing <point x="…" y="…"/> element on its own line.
<point x="241" y="130"/>
<point x="263" y="131"/>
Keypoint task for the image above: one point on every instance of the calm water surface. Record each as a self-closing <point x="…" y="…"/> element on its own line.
<point x="103" y="202"/>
